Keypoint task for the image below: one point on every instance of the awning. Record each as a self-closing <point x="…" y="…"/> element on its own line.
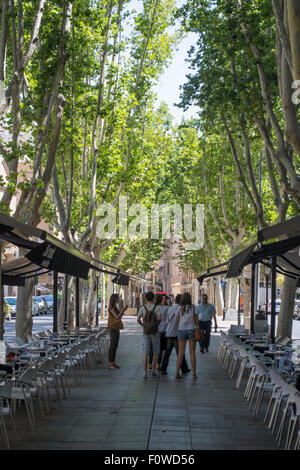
<point x="287" y="229"/>
<point x="284" y="243"/>
<point x="60" y="257"/>
<point x="45" y="252"/>
<point x="238" y="262"/>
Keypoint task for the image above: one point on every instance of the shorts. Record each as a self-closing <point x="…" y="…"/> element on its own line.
<point x="186" y="334"/>
<point x="151" y="339"/>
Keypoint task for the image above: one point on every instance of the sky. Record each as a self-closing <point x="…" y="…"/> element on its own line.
<point x="168" y="88"/>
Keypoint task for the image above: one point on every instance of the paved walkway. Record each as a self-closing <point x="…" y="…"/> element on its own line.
<point x="119" y="410"/>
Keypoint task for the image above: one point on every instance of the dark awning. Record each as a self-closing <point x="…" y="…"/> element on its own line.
<point x="60" y="258"/>
<point x="238" y="262"/>
<point x="286" y="249"/>
<point x="45" y="251"/>
<point x="287" y="229"/>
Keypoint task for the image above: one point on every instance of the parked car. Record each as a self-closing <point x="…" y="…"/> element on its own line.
<point x="7" y="310"/>
<point x="12" y="301"/>
<point x="49" y="301"/>
<point x="42" y="304"/>
<point x="35" y="307"/>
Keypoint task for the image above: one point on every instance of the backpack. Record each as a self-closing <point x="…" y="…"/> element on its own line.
<point x="150" y="322"/>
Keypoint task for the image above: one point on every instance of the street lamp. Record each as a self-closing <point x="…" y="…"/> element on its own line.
<point x="267" y="273"/>
<point x="239" y="307"/>
<point x="97" y="298"/>
<point x="224" y="285"/>
<point x="215" y="282"/>
<point x="66" y="302"/>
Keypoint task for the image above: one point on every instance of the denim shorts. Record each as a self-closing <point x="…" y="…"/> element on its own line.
<point x="186" y="334"/>
<point x="151" y="339"/>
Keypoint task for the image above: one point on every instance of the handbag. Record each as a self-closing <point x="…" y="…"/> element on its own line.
<point x="114" y="323"/>
<point x="198" y="334"/>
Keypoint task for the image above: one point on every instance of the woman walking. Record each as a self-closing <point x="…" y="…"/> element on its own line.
<point x="114" y="324"/>
<point x="188" y="320"/>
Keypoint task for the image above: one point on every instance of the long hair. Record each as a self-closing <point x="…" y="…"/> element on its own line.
<point x="158" y="299"/>
<point x="186" y="302"/>
<point x="112" y="302"/>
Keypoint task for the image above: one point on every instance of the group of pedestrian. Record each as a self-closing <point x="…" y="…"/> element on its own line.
<point x="166" y="326"/>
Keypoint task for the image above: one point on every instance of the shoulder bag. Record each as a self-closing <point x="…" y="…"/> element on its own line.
<point x="198" y="333"/>
<point x="114" y="323"/>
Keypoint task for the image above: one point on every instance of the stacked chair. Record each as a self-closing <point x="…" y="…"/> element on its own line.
<point x="263" y="386"/>
<point x="46" y="381"/>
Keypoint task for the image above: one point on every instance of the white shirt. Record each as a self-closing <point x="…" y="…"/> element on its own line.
<point x="187" y="320"/>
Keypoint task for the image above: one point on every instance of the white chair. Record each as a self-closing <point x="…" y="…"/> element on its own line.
<point x="293" y="427"/>
<point x="16" y="392"/>
<point x="286" y="411"/>
<point x="244" y="366"/>
<point x="236" y="329"/>
<point x="260" y="383"/>
<point x="3" y="429"/>
<point x="6" y="411"/>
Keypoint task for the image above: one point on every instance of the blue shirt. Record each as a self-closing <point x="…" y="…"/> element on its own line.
<point x="205" y="312"/>
<point x="172" y="323"/>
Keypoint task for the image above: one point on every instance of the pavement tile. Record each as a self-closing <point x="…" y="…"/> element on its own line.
<point x="114" y="410"/>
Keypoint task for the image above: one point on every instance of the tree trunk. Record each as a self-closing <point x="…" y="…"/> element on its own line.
<point x="219" y="298"/>
<point x="91" y="302"/>
<point x="83" y="320"/>
<point x="24" y="310"/>
<point x="285" y="317"/>
<point x="246" y="289"/>
<point x="235" y="296"/>
<point x="3" y="40"/>
<point x="103" y="296"/>
<point x="294" y="32"/>
<point x="67" y="287"/>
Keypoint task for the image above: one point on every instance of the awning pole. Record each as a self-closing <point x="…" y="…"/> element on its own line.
<point x="273" y="298"/>
<point x="97" y="301"/>
<point x="239" y="304"/>
<point x="252" y="313"/>
<point x="77" y="302"/>
<point x="66" y="302"/>
<point x="1" y="299"/>
<point x="55" y="287"/>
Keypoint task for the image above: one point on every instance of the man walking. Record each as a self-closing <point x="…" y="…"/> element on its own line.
<point x="149" y="317"/>
<point x="206" y="312"/>
<point x="171" y="335"/>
